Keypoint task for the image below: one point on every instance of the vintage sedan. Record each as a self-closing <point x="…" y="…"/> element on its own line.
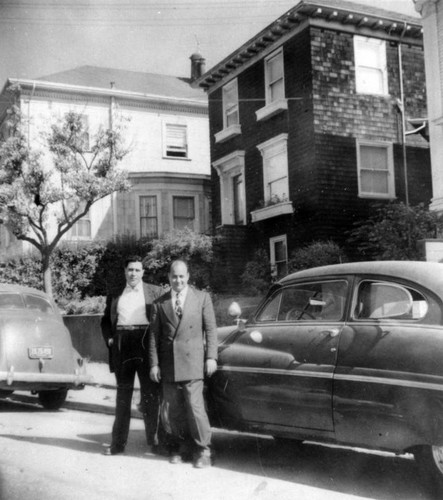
<point x="350" y="354"/>
<point x="36" y="352"/>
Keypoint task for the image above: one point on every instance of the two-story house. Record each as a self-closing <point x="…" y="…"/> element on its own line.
<point x="166" y="128"/>
<point x="311" y="121"/>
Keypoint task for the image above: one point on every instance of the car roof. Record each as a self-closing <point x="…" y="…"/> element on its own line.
<point x="428" y="274"/>
<point x="7" y="287"/>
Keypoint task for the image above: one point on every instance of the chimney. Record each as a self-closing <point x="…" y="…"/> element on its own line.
<point x="197" y="66"/>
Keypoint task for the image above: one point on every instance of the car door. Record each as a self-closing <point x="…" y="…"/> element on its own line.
<point x="277" y="373"/>
<point x="388" y="384"/>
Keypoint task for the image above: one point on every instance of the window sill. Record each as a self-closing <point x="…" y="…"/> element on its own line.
<point x="180" y="158"/>
<point x="227" y="133"/>
<point x="376" y="196"/>
<point x="282" y="208"/>
<point x="272" y="109"/>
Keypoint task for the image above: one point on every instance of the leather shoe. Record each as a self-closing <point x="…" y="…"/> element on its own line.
<point x="113" y="450"/>
<point x="157" y="449"/>
<point x="175" y="459"/>
<point x="202" y="462"/>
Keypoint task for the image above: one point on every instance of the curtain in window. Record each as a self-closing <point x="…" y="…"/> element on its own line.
<point x="176" y="140"/>
<point x="148" y="217"/>
<point x="184" y="213"/>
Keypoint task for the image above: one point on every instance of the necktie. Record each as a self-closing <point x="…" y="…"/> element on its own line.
<point x="178" y="306"/>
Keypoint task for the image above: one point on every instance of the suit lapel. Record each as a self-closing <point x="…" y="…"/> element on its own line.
<point x="169" y="310"/>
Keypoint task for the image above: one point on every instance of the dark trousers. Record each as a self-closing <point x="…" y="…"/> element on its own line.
<point x="188" y="420"/>
<point x="132" y="361"/>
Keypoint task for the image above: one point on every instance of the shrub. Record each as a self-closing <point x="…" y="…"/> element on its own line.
<point x="393" y="231"/>
<point x="184" y="244"/>
<point x="88" y="305"/>
<point x="256" y="277"/>
<point x="318" y="253"/>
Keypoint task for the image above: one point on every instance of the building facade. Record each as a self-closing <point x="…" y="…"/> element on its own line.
<point x="312" y="121"/>
<point x="166" y="129"/>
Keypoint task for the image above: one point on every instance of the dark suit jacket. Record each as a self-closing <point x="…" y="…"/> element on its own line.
<point x="180" y="347"/>
<point x="109" y="321"/>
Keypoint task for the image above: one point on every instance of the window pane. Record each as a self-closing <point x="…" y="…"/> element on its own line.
<point x="372" y="157"/>
<point x="277" y="90"/>
<point x="34" y="302"/>
<point x="148" y="217"/>
<point x="184" y="214"/>
<point x="176" y="140"/>
<point x="374" y="182"/>
<point x="11" y="301"/>
<point x="275" y="68"/>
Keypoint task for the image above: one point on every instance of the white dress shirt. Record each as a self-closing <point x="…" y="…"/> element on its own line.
<point x="131" y="308"/>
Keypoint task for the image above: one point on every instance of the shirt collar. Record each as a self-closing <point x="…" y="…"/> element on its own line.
<point x="136" y="288"/>
<point x="182" y="293"/>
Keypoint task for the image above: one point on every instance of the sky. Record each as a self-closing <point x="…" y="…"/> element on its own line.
<point x="41" y="37"/>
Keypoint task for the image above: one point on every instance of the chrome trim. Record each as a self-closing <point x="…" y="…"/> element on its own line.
<point x="331" y="376"/>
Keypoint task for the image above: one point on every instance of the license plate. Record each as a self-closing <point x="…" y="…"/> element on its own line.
<point x="40" y="352"/>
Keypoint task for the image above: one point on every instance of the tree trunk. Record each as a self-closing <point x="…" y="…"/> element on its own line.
<point x="47" y="278"/>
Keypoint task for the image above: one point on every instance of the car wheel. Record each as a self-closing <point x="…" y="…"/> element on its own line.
<point x="430" y="462"/>
<point x="52" y="400"/>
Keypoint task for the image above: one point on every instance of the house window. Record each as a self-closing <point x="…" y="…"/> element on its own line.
<point x="238" y="198"/>
<point x="279" y="256"/>
<point x="81" y="230"/>
<point x="275" y="169"/>
<point x="370" y="66"/>
<point x="176" y="141"/>
<point x="274" y="77"/>
<point x="184" y="212"/>
<point x="230" y="104"/>
<point x="375" y="170"/>
<point x="148" y="216"/>
<point x="231" y="170"/>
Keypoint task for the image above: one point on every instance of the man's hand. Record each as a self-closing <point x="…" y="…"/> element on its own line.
<point x="110" y="342"/>
<point x="154" y="373"/>
<point x="210" y="367"/>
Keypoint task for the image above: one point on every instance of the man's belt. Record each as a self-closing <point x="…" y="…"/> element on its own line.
<point x="132" y="327"/>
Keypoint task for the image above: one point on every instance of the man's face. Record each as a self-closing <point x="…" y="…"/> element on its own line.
<point x="178" y="276"/>
<point x="134" y="273"/>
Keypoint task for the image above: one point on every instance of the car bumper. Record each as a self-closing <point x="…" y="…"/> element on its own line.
<point x="10" y="378"/>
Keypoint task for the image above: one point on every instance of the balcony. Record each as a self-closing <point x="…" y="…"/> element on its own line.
<point x="274" y="210"/>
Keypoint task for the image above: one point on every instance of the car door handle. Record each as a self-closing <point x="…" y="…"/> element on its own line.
<point x="333" y="332"/>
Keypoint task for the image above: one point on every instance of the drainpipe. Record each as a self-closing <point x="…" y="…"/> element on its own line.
<point x="113" y="195"/>
<point x="401" y="107"/>
<point x="29" y="113"/>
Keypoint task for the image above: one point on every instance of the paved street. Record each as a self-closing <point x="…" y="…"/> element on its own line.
<point x="57" y="455"/>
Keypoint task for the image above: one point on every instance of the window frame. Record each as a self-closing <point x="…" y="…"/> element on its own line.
<point x="227" y="168"/>
<point x="73" y="231"/>
<point x="390" y="171"/>
<point x="167" y="127"/>
<point x="376" y="45"/>
<point x="272" y="254"/>
<point x="277" y="55"/>
<point x="270" y="149"/>
<point x="174" y="217"/>
<point x="140" y="217"/>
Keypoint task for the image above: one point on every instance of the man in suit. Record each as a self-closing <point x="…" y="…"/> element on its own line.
<point x="125" y="326"/>
<point x="182" y="350"/>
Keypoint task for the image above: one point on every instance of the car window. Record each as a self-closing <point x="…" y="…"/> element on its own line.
<point x="38" y="303"/>
<point x="320" y="301"/>
<point x="384" y="300"/>
<point x="11" y="301"/>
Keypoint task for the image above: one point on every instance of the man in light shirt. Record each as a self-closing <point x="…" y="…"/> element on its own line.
<point x="182" y="350"/>
<point x="125" y="328"/>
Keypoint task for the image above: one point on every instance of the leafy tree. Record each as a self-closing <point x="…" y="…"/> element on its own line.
<point x="45" y="190"/>
<point x="392" y="232"/>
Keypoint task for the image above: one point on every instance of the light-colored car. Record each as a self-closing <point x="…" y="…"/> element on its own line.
<point x="36" y="352"/>
<point x="350" y="354"/>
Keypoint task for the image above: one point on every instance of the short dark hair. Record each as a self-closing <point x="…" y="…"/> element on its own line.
<point x="176" y="261"/>
<point x="133" y="258"/>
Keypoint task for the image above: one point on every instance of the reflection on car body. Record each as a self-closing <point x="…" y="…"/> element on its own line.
<point x="36" y="351"/>
<point x="349" y="354"/>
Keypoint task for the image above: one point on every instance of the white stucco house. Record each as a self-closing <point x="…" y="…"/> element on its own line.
<point x="166" y="124"/>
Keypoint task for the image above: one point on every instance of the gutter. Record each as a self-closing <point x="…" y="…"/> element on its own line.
<point x="98" y="91"/>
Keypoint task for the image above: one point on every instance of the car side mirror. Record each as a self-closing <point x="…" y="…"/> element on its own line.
<point x="234" y="310"/>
